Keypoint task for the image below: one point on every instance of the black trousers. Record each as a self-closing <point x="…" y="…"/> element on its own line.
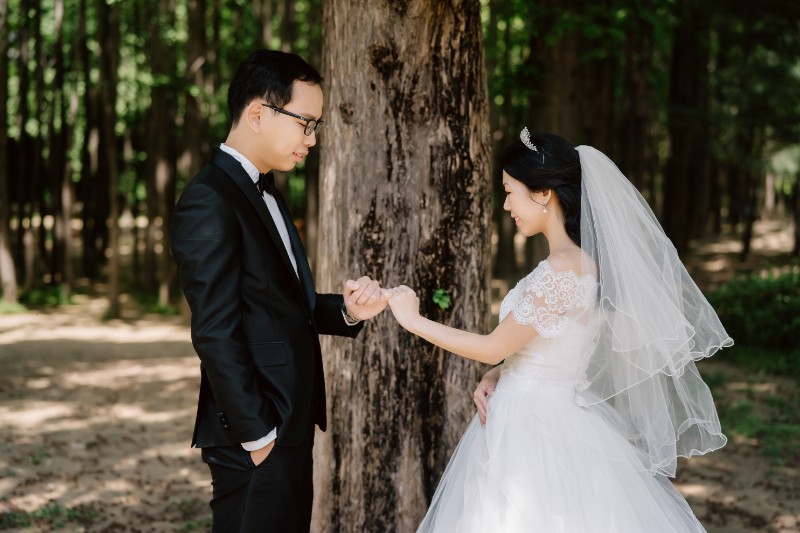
<point x="274" y="496"/>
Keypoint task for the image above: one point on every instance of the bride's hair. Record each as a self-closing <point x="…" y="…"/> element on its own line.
<point x="554" y="165"/>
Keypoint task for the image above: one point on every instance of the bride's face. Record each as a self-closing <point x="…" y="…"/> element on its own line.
<point x="529" y="216"/>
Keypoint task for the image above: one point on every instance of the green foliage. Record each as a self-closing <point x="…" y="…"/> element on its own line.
<point x="54" y="515"/>
<point x="442" y="298"/>
<point x="46" y="296"/>
<point x="190" y="509"/>
<point x="11" y="308"/>
<point x="36" y="458"/>
<point x="777" y="429"/>
<point x="759" y="311"/>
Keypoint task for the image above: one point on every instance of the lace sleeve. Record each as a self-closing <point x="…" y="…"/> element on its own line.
<point x="547" y="300"/>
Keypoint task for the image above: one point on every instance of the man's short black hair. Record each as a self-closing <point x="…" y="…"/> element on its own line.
<point x="267" y="74"/>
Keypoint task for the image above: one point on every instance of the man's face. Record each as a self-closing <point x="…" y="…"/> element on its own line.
<point x="282" y="137"/>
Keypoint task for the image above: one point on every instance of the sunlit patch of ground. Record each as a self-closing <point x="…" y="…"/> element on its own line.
<point x="97" y="419"/>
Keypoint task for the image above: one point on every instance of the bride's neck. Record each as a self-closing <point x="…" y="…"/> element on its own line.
<point x="557" y="238"/>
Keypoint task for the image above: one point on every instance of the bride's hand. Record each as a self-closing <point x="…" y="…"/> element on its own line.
<point x="484" y="391"/>
<point x="405" y="305"/>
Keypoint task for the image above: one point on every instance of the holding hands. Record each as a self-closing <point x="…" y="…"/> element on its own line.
<point x="364" y="298"/>
<point x="405" y="305"/>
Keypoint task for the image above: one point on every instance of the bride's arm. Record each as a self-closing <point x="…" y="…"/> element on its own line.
<point x="507" y="338"/>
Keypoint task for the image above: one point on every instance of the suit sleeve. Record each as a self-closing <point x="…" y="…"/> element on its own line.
<point x="206" y="245"/>
<point x="329" y="319"/>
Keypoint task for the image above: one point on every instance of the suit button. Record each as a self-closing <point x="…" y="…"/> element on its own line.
<point x="309" y="321"/>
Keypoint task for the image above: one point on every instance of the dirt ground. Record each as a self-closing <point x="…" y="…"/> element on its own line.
<point x="96" y="419"/>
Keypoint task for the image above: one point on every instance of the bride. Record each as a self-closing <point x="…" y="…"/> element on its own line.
<point x="598" y="393"/>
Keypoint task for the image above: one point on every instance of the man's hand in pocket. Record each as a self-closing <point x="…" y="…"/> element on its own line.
<point x="259" y="455"/>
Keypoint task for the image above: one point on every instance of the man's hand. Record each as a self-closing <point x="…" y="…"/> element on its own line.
<point x="484" y="391"/>
<point x="259" y="455"/>
<point x="363" y="298"/>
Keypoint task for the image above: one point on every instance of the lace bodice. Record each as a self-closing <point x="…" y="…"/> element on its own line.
<point x="560" y="305"/>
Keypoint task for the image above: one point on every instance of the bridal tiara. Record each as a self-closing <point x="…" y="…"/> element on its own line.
<point x="525" y="137"/>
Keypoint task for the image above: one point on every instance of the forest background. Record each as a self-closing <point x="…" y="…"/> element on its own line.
<point x="112" y="106"/>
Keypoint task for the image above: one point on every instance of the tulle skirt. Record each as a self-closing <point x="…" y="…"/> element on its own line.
<point x="544" y="464"/>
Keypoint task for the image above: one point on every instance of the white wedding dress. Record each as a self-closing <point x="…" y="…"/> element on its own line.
<point x="543" y="462"/>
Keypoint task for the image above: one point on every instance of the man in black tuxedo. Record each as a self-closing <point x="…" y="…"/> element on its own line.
<point x="256" y="316"/>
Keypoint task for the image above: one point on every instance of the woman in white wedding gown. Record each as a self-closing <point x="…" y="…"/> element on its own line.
<point x="598" y="393"/>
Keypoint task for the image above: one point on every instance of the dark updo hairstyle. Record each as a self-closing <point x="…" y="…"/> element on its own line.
<point x="555" y="165"/>
<point x="267" y="74"/>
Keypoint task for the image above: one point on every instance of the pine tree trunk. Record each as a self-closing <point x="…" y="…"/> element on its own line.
<point x="8" y="274"/>
<point x="406" y="199"/>
<point x="686" y="164"/>
<point x="636" y="155"/>
<point x="109" y="38"/>
<point x="59" y="170"/>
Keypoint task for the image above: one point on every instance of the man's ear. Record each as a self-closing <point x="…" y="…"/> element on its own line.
<point x="253" y="116"/>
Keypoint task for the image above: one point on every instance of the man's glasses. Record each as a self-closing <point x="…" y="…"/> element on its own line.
<point x="312" y="126"/>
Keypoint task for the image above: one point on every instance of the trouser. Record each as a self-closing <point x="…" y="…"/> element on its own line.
<point x="274" y="496"/>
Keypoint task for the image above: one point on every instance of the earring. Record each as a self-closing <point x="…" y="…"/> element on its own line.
<point x="544" y="205"/>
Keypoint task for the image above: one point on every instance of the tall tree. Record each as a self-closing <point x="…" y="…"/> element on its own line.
<point x="688" y="99"/>
<point x="59" y="164"/>
<point x="109" y="37"/>
<point x="407" y="151"/>
<point x="8" y="275"/>
<point x="160" y="148"/>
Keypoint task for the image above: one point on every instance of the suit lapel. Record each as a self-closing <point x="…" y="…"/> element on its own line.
<point x="235" y="171"/>
<point x="303" y="270"/>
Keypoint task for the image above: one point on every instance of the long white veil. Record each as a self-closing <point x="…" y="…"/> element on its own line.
<point x="654" y="323"/>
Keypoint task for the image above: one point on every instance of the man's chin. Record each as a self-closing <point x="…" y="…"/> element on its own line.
<point x="287" y="167"/>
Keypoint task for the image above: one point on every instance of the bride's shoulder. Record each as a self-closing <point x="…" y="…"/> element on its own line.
<point x="571" y="261"/>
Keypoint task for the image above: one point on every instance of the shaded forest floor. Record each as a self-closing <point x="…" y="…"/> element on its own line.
<point x="96" y="417"/>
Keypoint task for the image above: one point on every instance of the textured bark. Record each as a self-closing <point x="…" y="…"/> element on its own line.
<point x="405" y="198"/>
<point x="8" y="275"/>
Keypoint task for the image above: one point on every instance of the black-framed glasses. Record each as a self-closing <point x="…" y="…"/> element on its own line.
<point x="312" y="125"/>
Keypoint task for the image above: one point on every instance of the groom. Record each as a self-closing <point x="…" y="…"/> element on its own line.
<point x="256" y="316"/>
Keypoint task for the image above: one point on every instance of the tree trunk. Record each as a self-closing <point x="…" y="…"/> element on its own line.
<point x="636" y="155"/>
<point x="59" y="169"/>
<point x="686" y="164"/>
<point x="505" y="265"/>
<point x="796" y="215"/>
<point x="159" y="164"/>
<point x="406" y="92"/>
<point x="288" y="30"/>
<point x="262" y="12"/>
<point x="25" y="242"/>
<point x="90" y="188"/>
<point x="109" y="38"/>
<point x="8" y="274"/>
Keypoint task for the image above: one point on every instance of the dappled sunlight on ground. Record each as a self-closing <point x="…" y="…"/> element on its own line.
<point x="98" y="416"/>
<point x="713" y="261"/>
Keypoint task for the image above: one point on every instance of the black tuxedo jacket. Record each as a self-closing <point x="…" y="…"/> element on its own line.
<point x="255" y="323"/>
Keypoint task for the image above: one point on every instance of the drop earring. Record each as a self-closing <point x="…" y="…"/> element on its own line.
<point x="544" y="205"/>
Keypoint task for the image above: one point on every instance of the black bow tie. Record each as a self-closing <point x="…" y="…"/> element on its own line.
<point x="266" y="183"/>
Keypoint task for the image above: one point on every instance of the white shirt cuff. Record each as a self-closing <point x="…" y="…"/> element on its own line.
<point x="254" y="445"/>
